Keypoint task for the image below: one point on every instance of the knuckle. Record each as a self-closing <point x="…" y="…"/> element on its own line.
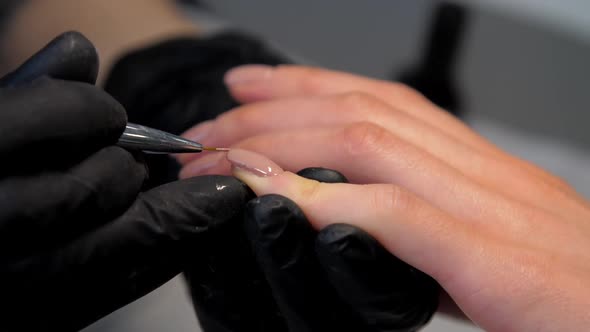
<point x="391" y="197"/>
<point x="310" y="191"/>
<point x="363" y="138"/>
<point x="538" y="277"/>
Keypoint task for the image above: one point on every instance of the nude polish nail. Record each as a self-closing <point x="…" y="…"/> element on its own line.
<point x="201" y="166"/>
<point x="247" y="74"/>
<point x="253" y="163"/>
<point x="200" y="132"/>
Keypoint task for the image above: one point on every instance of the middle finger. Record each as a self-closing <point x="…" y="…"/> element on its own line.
<point x="507" y="175"/>
<point x="367" y="153"/>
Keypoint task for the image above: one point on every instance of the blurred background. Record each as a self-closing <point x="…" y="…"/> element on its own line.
<point x="516" y="71"/>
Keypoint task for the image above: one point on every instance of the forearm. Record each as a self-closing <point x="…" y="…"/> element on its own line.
<point x="114" y="26"/>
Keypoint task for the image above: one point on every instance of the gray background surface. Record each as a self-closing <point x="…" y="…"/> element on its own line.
<point x="523" y="73"/>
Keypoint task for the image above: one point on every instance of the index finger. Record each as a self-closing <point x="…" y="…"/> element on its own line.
<point x="256" y="83"/>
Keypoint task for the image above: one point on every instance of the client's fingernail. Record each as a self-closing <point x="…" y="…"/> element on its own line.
<point x="201" y="166"/>
<point x="199" y="132"/>
<point x="253" y="163"/>
<point x="248" y="74"/>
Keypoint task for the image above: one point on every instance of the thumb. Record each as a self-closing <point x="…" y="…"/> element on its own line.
<point x="69" y="56"/>
<point x="407" y="226"/>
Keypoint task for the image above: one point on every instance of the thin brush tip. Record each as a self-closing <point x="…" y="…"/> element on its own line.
<point x="208" y="148"/>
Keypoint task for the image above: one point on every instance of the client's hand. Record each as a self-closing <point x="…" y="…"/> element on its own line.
<point x="339" y="279"/>
<point x="509" y="242"/>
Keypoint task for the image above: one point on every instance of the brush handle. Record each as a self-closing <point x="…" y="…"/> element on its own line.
<point x="138" y="137"/>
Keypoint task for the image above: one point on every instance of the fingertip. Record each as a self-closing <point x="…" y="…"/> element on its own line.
<point x="253" y="163"/>
<point x="272" y="219"/>
<point x="209" y="164"/>
<point x="337" y="244"/>
<point x="251" y="83"/>
<point x="247" y="74"/>
<point x="262" y="174"/>
<point x="381" y="287"/>
<point x="321" y="174"/>
<point x="336" y="236"/>
<point x="198" y="133"/>
<point x="248" y="83"/>
<point x="103" y="113"/>
<point x="267" y="207"/>
<point x="256" y="170"/>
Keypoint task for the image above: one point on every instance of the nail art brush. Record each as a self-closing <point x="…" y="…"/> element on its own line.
<point x="150" y="140"/>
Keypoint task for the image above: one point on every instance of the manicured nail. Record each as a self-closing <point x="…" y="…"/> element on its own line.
<point x="253" y="163"/>
<point x="199" y="132"/>
<point x="201" y="166"/>
<point x="248" y="74"/>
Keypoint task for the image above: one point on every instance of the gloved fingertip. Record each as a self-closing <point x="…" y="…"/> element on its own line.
<point x="342" y="244"/>
<point x="140" y="159"/>
<point x="114" y="174"/>
<point x="277" y="229"/>
<point x="351" y="248"/>
<point x="69" y="56"/>
<point x="388" y="293"/>
<point x="268" y="217"/>
<point x="81" y="55"/>
<point x="323" y="175"/>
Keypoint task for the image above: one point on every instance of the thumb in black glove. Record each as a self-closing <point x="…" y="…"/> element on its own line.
<point x="339" y="279"/>
<point x="77" y="238"/>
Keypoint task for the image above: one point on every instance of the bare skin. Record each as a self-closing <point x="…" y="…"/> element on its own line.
<point x="509" y="242"/>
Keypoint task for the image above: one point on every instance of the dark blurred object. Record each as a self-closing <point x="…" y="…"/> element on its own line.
<point x="178" y="83"/>
<point x="279" y="274"/>
<point x="434" y="75"/>
<point x="195" y="3"/>
<point x="7" y="8"/>
<point x="77" y="239"/>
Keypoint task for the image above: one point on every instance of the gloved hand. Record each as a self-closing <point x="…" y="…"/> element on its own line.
<point x="77" y="238"/>
<point x="177" y="83"/>
<point x="339" y="279"/>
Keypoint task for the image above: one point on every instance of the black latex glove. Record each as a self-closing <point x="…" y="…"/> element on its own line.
<point x="338" y="280"/>
<point x="77" y="238"/>
<point x="178" y="83"/>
